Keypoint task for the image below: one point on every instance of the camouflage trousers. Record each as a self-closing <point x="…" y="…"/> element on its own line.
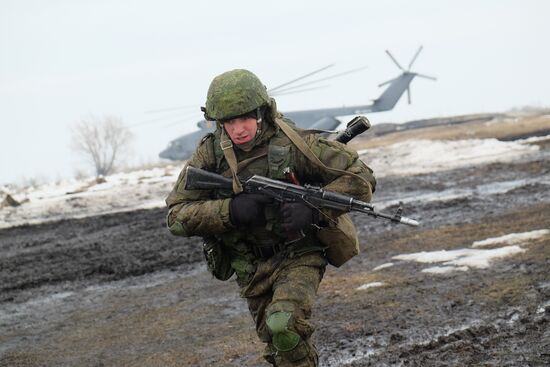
<point x="288" y="286"/>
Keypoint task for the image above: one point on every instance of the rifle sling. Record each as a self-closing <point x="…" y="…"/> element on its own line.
<point x="243" y="164"/>
<point x="227" y="148"/>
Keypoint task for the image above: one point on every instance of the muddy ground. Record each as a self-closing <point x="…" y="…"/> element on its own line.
<point x="118" y="290"/>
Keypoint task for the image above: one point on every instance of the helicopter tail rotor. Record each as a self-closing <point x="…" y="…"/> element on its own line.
<point x="407" y="72"/>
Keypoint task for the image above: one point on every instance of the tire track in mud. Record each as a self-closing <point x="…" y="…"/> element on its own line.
<point x="524" y="340"/>
<point x="101" y="248"/>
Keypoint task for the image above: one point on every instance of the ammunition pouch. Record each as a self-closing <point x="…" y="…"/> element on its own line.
<point x="217" y="258"/>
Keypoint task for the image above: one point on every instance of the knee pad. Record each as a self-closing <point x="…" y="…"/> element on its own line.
<point x="282" y="338"/>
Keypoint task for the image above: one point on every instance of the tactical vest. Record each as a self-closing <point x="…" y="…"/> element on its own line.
<point x="271" y="160"/>
<point x="274" y="160"/>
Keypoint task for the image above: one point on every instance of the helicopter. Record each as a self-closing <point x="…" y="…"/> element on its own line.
<point x="323" y="119"/>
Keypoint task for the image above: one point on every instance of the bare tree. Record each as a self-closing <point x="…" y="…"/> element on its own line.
<point x="101" y="141"/>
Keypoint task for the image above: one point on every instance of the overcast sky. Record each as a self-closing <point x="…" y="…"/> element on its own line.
<point x="62" y="60"/>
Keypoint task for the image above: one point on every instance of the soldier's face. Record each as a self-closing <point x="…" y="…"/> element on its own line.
<point x="241" y="129"/>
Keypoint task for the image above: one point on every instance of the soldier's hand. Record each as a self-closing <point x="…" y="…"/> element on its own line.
<point x="247" y="210"/>
<point x="297" y="216"/>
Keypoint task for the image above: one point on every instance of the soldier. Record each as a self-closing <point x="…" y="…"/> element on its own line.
<point x="272" y="248"/>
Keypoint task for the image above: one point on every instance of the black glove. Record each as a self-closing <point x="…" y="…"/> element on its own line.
<point x="297" y="216"/>
<point x="247" y="210"/>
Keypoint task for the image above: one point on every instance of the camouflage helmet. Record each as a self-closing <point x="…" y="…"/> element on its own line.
<point x="234" y="93"/>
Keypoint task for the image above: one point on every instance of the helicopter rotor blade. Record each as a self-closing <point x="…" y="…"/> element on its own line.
<point x="292" y="91"/>
<point x="426" y="76"/>
<point x="394" y="60"/>
<point x="415" y="56"/>
<point x="300" y="78"/>
<point x="319" y="80"/>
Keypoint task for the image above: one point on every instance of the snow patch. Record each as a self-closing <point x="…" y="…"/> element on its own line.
<point x="383" y="266"/>
<point x="466" y="258"/>
<point x="444" y="269"/>
<point x="534" y="139"/>
<point x="369" y="285"/>
<point x="543" y="307"/>
<point x="473" y="258"/>
<point x="121" y="192"/>
<point x="423" y="156"/>
<point x="513" y="238"/>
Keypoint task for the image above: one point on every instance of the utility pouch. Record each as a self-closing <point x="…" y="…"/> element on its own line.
<point x="217" y="258"/>
<point x="341" y="240"/>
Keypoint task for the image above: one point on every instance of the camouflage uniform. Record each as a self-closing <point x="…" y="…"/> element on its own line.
<point x="279" y="281"/>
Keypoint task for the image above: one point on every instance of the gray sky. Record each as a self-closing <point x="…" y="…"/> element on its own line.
<point x="62" y="60"/>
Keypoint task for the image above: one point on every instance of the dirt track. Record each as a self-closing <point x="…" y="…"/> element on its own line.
<point x="118" y="290"/>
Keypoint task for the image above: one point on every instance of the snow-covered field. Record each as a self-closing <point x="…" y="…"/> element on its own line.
<point x="81" y="198"/>
<point x="423" y="156"/>
<point x="148" y="188"/>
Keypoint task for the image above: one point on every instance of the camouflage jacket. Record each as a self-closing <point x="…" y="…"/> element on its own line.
<point x="206" y="213"/>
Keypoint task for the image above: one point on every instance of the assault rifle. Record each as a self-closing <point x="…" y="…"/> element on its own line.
<point x="313" y="196"/>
